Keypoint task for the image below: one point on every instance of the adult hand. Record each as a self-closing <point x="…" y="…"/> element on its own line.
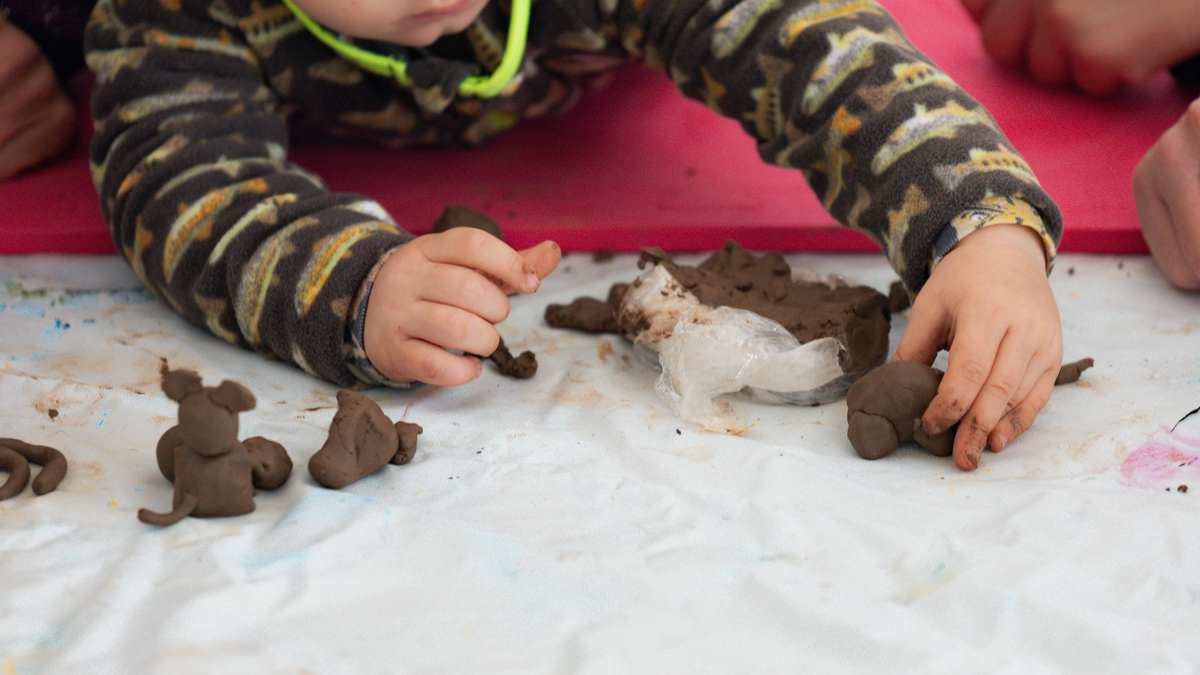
<point x="1098" y="45"/>
<point x="37" y="120"/>
<point x="1166" y="185"/>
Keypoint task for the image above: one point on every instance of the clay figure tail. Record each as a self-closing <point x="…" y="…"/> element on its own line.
<point x="53" y="463"/>
<point x="18" y="473"/>
<point x="180" y="512"/>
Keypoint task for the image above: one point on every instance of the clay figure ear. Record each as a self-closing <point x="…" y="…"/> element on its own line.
<point x="177" y="384"/>
<point x="232" y="396"/>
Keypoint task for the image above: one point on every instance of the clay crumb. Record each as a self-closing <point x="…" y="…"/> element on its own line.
<point x="1182" y="488"/>
<point x="1120" y="264"/>
<point x="603" y="255"/>
<point x="1070" y="271"/>
<point x="678" y="432"/>
<point x="163" y="366"/>
<point x="1070" y="372"/>
<point x="52" y="413"/>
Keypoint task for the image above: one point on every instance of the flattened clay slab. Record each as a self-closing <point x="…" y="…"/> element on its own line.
<point x="855" y="315"/>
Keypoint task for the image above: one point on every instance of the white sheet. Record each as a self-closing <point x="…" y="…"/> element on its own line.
<point x="564" y="525"/>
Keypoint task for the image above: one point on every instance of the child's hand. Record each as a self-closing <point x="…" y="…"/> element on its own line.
<point x="37" y="119"/>
<point x="447" y="291"/>
<point x="990" y="301"/>
<point x="1167" y="189"/>
<point x="1098" y="45"/>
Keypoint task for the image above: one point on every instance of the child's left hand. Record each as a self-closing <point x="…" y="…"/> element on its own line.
<point x="1167" y="189"/>
<point x="989" y="300"/>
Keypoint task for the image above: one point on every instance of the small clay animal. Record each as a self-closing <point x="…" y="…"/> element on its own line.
<point x="460" y="216"/>
<point x="15" y="457"/>
<point x="362" y="440"/>
<point x="885" y="406"/>
<point x="214" y="474"/>
<point x="520" y="367"/>
<point x="884" y="409"/>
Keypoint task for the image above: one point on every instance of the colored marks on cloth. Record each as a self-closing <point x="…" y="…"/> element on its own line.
<point x="1166" y="461"/>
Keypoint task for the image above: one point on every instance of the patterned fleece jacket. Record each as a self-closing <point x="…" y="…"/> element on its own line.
<point x="194" y="98"/>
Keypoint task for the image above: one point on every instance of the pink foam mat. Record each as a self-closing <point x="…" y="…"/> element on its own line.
<point x="640" y="165"/>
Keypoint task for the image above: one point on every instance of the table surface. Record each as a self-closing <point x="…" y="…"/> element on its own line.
<point x="568" y="524"/>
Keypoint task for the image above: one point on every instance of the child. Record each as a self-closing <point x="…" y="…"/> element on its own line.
<point x="190" y="152"/>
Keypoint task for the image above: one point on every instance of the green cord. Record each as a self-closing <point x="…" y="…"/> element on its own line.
<point x="475" y="85"/>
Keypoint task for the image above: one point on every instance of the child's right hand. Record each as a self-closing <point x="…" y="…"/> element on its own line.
<point x="447" y="291"/>
<point x="989" y="302"/>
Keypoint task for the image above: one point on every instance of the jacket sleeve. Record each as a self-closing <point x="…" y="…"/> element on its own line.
<point x="189" y="162"/>
<point x="890" y="144"/>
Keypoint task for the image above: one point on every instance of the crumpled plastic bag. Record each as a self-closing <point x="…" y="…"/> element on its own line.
<point x="706" y="352"/>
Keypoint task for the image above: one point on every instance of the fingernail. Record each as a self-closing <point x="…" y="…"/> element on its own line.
<point x="930" y="428"/>
<point x="531" y="282"/>
<point x="1001" y="441"/>
<point x="974" y="456"/>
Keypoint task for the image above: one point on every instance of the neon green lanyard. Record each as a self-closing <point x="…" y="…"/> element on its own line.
<point x="476" y="85"/>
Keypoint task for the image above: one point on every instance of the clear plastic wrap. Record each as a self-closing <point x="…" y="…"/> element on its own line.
<point x="706" y="352"/>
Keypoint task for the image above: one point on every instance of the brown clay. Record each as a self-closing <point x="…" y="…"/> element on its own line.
<point x="1070" y="372"/>
<point x="214" y="474"/>
<point x="15" y="458"/>
<point x="362" y="440"/>
<point x="885" y="406"/>
<point x="588" y="314"/>
<point x="520" y="367"/>
<point x="884" y="409"/>
<point x="898" y="298"/>
<point x="460" y="216"/>
<point x="732" y="277"/>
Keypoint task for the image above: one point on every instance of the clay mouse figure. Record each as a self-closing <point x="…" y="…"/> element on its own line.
<point x="214" y="473"/>
<point x="15" y="457"/>
<point x="362" y="440"/>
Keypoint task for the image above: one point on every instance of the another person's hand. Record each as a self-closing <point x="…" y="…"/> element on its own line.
<point x="1166" y="185"/>
<point x="37" y="120"/>
<point x="989" y="301"/>
<point x="445" y="292"/>
<point x="1098" y="45"/>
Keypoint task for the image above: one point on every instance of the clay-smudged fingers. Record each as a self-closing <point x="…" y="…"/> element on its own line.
<point x="53" y="463"/>
<point x="18" y="473"/>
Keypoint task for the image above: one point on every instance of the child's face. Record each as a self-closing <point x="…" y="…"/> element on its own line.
<point x="414" y="23"/>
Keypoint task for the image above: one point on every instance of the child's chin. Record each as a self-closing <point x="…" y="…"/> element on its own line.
<point x="428" y="33"/>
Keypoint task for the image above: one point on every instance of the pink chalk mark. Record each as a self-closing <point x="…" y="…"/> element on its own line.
<point x="1161" y="463"/>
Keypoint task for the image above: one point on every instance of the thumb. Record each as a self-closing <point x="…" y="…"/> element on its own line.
<point x="925" y="335"/>
<point x="542" y="259"/>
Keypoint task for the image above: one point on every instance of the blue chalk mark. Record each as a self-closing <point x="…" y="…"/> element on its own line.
<point x="256" y="562"/>
<point x="103" y="418"/>
<point x="51" y="335"/>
